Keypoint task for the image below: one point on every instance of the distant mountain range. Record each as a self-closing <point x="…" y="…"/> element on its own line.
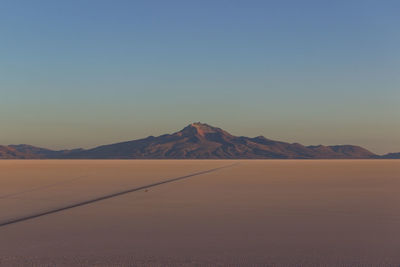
<point x="196" y="141"/>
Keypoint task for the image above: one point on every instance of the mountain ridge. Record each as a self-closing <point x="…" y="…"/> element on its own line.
<point x="195" y="141"/>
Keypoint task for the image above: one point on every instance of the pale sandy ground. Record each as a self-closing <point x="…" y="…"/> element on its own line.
<point x="256" y="213"/>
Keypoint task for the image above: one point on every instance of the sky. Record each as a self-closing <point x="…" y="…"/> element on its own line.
<point x="82" y="73"/>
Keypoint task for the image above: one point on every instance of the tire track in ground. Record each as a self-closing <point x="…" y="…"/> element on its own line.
<point x="105" y="197"/>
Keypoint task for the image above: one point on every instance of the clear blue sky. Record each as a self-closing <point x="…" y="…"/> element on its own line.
<point x="89" y="72"/>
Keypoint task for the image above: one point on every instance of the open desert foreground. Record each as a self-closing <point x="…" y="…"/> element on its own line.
<point x="248" y="213"/>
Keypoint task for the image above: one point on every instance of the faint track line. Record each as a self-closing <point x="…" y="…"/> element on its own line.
<point x="87" y="202"/>
<point x="41" y="187"/>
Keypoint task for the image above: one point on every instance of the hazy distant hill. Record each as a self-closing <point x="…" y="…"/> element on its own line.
<point x="197" y="140"/>
<point x="7" y="152"/>
<point x="391" y="156"/>
<point x="31" y="152"/>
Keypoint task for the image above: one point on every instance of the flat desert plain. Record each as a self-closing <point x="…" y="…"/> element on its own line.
<point x="249" y="213"/>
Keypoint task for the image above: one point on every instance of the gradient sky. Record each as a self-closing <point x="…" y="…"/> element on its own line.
<point x="83" y="73"/>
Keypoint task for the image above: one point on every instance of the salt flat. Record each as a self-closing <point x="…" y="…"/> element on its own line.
<point x="257" y="212"/>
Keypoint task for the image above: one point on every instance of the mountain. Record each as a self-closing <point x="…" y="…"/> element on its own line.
<point x="203" y="141"/>
<point x="196" y="141"/>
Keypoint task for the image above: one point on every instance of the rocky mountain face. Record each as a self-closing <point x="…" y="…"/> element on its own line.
<point x="196" y="141"/>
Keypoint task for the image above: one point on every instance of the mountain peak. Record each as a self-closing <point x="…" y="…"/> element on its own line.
<point x="202" y="129"/>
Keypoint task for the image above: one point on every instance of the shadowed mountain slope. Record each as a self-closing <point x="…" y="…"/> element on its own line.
<point x="195" y="141"/>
